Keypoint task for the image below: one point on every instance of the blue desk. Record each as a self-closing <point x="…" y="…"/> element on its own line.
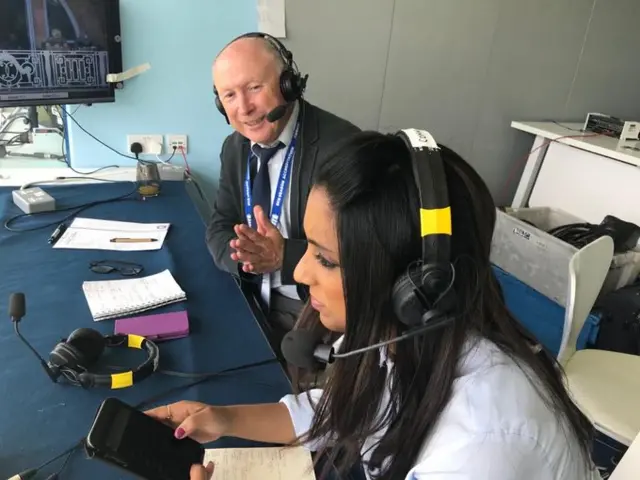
<point x="39" y="419"/>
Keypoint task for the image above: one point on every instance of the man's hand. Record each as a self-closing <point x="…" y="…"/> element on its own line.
<point x="261" y="250"/>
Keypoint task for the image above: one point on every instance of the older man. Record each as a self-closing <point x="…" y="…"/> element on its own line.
<point x="267" y="165"/>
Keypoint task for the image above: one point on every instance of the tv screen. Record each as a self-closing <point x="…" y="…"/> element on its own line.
<point x="58" y="51"/>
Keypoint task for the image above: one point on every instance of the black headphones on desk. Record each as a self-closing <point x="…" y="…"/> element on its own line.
<point x="292" y="82"/>
<point x="73" y="357"/>
<point x="425" y="291"/>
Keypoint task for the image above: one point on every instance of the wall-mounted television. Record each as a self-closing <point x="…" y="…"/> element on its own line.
<point x="58" y="51"/>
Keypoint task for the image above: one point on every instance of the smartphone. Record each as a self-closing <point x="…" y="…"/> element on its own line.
<point x="127" y="438"/>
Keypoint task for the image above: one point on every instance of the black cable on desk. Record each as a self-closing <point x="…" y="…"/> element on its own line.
<point x="77" y="209"/>
<point x="201" y="378"/>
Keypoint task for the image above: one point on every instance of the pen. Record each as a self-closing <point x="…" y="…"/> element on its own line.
<point x="57" y="233"/>
<point x="132" y="240"/>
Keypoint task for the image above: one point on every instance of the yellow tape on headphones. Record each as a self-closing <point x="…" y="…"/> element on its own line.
<point x="435" y="221"/>
<point x="122" y="380"/>
<point x="134" y="341"/>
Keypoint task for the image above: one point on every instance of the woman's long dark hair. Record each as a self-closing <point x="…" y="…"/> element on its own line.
<point x="373" y="194"/>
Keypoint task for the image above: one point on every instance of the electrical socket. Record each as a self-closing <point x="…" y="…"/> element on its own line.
<point x="177" y="141"/>
<point x="151" y="144"/>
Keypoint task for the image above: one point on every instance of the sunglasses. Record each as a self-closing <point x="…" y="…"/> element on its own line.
<point x="126" y="269"/>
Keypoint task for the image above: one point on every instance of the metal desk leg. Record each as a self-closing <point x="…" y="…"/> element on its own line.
<point x="530" y="172"/>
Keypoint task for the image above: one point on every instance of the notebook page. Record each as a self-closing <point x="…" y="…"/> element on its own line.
<point x="270" y="463"/>
<point x="107" y="298"/>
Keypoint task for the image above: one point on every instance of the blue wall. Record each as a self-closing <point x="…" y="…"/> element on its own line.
<point x="180" y="41"/>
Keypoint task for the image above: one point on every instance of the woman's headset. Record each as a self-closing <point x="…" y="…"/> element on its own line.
<point x="292" y="82"/>
<point x="72" y="358"/>
<point x="425" y="291"/>
<point x="423" y="296"/>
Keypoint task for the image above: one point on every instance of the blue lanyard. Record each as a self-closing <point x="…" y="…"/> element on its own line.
<point x="283" y="182"/>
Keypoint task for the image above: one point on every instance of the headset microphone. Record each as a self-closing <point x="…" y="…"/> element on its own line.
<point x="302" y="349"/>
<point x="277" y="113"/>
<point x="17" y="310"/>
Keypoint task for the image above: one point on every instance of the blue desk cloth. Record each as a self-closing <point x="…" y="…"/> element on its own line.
<point x="39" y="419"/>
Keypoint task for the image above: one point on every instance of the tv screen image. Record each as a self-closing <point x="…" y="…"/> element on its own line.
<point x="58" y="51"/>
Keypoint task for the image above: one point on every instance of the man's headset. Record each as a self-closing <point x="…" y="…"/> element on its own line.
<point x="73" y="357"/>
<point x="423" y="296"/>
<point x="292" y="82"/>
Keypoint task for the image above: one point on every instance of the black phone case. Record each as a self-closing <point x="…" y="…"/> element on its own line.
<point x="119" y="463"/>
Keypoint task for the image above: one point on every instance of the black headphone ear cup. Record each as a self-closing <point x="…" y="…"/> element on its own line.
<point x="64" y="355"/>
<point x="435" y="280"/>
<point x="219" y="104"/>
<point x="406" y="302"/>
<point x="220" y="108"/>
<point x="89" y="344"/>
<point x="289" y="85"/>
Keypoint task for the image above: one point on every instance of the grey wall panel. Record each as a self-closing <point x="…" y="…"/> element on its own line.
<point x="465" y="69"/>
<point x="533" y="60"/>
<point x="437" y="63"/>
<point x="608" y="76"/>
<point x="342" y="45"/>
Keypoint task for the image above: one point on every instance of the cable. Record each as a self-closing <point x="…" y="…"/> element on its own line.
<point x="56" y="476"/>
<point x="78" y="209"/>
<point x="168" y="160"/>
<point x="578" y="234"/>
<point x="184" y="157"/>
<point x="521" y="162"/>
<point x="104" y="144"/>
<point x="69" y="451"/>
<point x="66" y="158"/>
<point x="94" y="137"/>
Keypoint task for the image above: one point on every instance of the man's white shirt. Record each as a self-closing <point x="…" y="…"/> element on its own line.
<point x="273" y="280"/>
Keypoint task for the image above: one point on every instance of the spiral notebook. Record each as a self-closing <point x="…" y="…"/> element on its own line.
<point x="118" y="298"/>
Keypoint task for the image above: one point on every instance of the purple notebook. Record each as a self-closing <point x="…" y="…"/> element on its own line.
<point x="158" y="327"/>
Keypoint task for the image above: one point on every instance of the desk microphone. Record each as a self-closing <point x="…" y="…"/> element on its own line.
<point x="302" y="349"/>
<point x="17" y="310"/>
<point x="277" y="113"/>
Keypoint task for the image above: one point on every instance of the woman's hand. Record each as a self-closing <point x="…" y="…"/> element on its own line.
<point x="204" y="423"/>
<point x="198" y="472"/>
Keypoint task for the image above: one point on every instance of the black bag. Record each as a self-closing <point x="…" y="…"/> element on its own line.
<point x="620" y="320"/>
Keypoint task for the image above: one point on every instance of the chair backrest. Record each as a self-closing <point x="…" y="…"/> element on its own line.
<point x="588" y="270"/>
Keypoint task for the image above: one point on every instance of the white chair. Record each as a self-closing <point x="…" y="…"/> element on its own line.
<point x="604" y="385"/>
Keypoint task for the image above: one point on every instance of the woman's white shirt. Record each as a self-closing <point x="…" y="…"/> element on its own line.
<point x="495" y="426"/>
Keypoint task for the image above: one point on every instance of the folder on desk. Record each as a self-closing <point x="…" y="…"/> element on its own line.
<point x="158" y="327"/>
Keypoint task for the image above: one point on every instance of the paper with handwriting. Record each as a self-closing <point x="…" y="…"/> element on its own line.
<point x="268" y="463"/>
<point x="96" y="234"/>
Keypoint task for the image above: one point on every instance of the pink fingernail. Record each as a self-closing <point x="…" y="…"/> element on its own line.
<point x="179" y="433"/>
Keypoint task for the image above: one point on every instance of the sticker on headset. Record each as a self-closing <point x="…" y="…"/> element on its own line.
<point x="420" y="138"/>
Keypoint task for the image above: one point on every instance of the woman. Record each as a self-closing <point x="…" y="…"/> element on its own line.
<point x="473" y="399"/>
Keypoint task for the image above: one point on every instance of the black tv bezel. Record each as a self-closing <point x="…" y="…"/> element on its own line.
<point x="114" y="47"/>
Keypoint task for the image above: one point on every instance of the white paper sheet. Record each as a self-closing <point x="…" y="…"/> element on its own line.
<point x="95" y="234"/>
<point x="271" y="17"/>
<point x="265" y="463"/>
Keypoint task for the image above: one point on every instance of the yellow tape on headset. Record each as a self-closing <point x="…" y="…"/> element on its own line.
<point x="122" y="380"/>
<point x="435" y="221"/>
